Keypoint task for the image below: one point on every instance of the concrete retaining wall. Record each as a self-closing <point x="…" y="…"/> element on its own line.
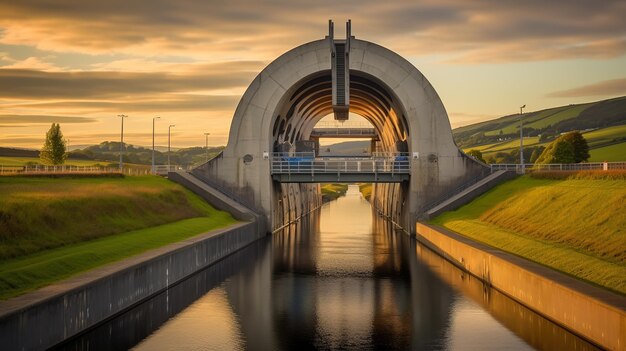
<point x="467" y="195"/>
<point x="52" y="314"/>
<point x="593" y="313"/>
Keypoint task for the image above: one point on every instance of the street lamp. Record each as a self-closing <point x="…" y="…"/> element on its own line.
<point x="122" y="142"/>
<point x="521" y="138"/>
<point x="169" y="133"/>
<point x="153" y="119"/>
<point x="206" y="146"/>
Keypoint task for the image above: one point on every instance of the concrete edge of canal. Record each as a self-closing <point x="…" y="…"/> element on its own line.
<point x="50" y="315"/>
<point x="593" y="313"/>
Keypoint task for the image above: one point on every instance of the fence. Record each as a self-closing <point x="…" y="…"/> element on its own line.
<point x="588" y="166"/>
<point x="304" y="162"/>
<point x="40" y="169"/>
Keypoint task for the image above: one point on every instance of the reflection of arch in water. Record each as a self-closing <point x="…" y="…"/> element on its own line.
<point x="429" y="299"/>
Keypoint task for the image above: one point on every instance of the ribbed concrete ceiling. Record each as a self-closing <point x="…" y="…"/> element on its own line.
<point x="311" y="100"/>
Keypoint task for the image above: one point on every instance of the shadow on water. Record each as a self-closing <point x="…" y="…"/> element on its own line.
<point x="339" y="279"/>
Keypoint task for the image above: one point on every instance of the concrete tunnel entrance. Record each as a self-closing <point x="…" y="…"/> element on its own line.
<point x="339" y="77"/>
<point x="308" y="102"/>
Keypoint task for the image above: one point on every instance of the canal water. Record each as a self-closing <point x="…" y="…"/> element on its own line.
<point x="341" y="279"/>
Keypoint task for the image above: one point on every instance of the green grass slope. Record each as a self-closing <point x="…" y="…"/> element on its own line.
<point x="612" y="153"/>
<point x="53" y="228"/>
<point x="577" y="226"/>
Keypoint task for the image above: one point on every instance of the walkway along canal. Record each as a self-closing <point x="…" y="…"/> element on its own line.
<point x="341" y="278"/>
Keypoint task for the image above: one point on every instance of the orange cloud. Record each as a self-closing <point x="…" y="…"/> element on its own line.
<point x="613" y="87"/>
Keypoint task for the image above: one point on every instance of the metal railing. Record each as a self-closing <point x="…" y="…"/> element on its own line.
<point x="587" y="166"/>
<point x="41" y="169"/>
<point x="357" y="125"/>
<point x="306" y="163"/>
<point x="344" y="131"/>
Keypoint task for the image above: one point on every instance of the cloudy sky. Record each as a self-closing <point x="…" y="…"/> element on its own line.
<point x="82" y="62"/>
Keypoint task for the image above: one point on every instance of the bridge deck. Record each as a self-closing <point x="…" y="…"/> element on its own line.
<point x="304" y="168"/>
<point x="341" y="178"/>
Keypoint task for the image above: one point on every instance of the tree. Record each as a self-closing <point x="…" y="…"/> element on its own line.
<point x="581" y="148"/>
<point x="559" y="151"/>
<point x="536" y="153"/>
<point x="477" y="155"/>
<point x="54" y="148"/>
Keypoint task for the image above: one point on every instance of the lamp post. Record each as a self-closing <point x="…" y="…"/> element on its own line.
<point x="122" y="143"/>
<point x="153" y="120"/>
<point x="206" y="146"/>
<point x="521" y="138"/>
<point x="169" y="133"/>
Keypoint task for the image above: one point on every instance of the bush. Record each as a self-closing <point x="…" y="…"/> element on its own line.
<point x="477" y="155"/>
<point x="569" y="148"/>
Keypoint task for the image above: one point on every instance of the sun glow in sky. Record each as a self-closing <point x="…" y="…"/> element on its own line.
<point x="81" y="63"/>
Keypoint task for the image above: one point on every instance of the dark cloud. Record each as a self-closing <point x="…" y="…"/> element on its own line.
<point x="31" y="84"/>
<point x="451" y="26"/>
<point x="166" y="103"/>
<point x="37" y="119"/>
<point x="611" y="87"/>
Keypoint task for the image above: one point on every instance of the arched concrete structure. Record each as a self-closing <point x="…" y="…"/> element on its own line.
<point x="294" y="92"/>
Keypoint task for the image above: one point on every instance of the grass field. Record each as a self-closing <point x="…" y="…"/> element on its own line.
<point x="577" y="226"/>
<point x="53" y="228"/>
<point x="558" y="117"/>
<point x="612" y="153"/>
<point x="333" y="191"/>
<point x="604" y="135"/>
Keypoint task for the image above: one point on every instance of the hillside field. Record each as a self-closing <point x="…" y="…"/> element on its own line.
<point x="52" y="228"/>
<point x="605" y="144"/>
<point x="575" y="225"/>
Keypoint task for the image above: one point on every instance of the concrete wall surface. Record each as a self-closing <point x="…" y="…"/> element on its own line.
<point x="591" y="312"/>
<point x="470" y="193"/>
<point x="45" y="317"/>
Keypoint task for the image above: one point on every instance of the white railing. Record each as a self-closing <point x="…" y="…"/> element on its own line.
<point x="344" y="131"/>
<point x="361" y="125"/>
<point x="587" y="166"/>
<point x="305" y="163"/>
<point x="41" y="169"/>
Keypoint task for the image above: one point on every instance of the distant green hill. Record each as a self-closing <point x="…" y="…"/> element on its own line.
<point x="359" y="147"/>
<point x="603" y="124"/>
<point x="549" y="122"/>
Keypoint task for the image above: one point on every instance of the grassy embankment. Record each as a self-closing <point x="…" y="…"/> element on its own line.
<point x="333" y="191"/>
<point x="574" y="223"/>
<point x="51" y="229"/>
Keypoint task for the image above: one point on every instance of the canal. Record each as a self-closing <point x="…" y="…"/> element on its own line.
<point x="341" y="279"/>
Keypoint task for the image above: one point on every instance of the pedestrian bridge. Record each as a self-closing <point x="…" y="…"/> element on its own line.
<point x="305" y="167"/>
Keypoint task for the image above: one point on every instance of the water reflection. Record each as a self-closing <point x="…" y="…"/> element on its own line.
<point x="341" y="279"/>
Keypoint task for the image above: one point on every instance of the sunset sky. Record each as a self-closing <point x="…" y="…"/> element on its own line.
<point x="82" y="62"/>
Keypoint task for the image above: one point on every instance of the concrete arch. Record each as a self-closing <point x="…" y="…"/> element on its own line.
<point x="292" y="93"/>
